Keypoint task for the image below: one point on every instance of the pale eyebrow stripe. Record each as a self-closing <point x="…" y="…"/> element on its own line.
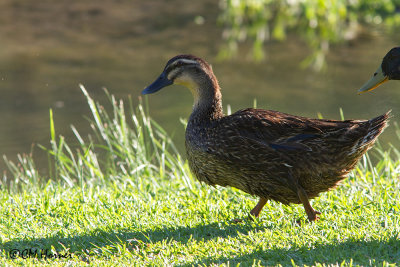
<point x="182" y="60"/>
<point x="186" y="61"/>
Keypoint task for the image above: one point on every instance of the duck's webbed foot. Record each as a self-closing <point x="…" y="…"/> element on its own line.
<point x="312" y="214"/>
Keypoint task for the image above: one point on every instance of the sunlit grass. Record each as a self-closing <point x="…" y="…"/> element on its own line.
<point x="124" y="196"/>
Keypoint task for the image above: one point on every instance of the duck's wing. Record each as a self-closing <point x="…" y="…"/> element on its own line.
<point x="283" y="133"/>
<point x="276" y="130"/>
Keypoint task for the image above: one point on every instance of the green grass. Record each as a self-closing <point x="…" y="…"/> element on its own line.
<point x="124" y="196"/>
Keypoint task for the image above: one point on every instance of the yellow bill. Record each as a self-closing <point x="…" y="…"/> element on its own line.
<point x="378" y="78"/>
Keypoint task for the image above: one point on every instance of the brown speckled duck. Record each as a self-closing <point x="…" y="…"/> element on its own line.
<point x="266" y="153"/>
<point x="388" y="70"/>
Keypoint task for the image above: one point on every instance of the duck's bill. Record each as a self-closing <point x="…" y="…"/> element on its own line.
<point x="378" y="79"/>
<point x="157" y="85"/>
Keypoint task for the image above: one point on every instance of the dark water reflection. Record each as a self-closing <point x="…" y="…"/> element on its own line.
<point x="45" y="55"/>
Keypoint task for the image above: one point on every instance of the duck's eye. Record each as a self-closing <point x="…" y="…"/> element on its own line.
<point x="375" y="74"/>
<point x="180" y="64"/>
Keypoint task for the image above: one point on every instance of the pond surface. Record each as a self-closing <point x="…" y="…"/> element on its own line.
<point x="124" y="45"/>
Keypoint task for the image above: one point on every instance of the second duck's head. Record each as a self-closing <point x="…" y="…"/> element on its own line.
<point x="189" y="71"/>
<point x="388" y="70"/>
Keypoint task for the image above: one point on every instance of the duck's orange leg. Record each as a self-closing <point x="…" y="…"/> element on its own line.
<point x="257" y="209"/>
<point x="311" y="213"/>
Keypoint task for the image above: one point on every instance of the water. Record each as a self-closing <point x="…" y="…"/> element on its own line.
<point x="55" y="45"/>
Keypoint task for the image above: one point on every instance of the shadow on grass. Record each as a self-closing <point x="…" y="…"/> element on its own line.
<point x="98" y="239"/>
<point x="358" y="251"/>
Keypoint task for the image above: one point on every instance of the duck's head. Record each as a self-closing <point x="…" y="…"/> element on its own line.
<point x="187" y="70"/>
<point x="388" y="70"/>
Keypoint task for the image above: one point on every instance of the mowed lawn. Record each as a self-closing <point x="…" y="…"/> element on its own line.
<point x="124" y="196"/>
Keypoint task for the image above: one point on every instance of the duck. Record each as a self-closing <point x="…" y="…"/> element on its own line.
<point x="388" y="70"/>
<point x="268" y="154"/>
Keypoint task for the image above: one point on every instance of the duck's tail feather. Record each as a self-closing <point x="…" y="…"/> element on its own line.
<point x="376" y="127"/>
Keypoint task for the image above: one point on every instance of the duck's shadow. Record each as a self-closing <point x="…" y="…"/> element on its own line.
<point x="99" y="238"/>
<point x="352" y="250"/>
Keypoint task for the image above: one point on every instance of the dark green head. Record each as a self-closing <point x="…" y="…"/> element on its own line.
<point x="391" y="64"/>
<point x="186" y="70"/>
<point x="388" y="70"/>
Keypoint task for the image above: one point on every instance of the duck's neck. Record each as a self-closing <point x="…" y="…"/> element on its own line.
<point x="207" y="101"/>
